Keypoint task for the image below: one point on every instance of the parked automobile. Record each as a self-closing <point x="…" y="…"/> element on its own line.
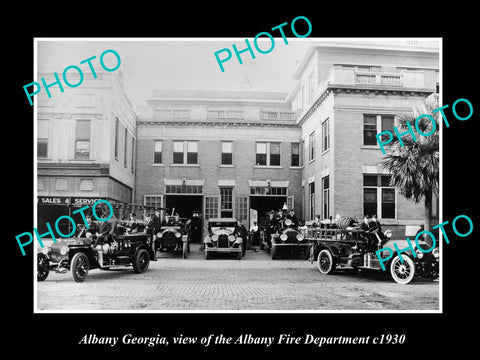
<point x="285" y="234"/>
<point x="223" y="237"/>
<point x="173" y="237"/>
<point x="78" y="255"/>
<point x="334" y="249"/>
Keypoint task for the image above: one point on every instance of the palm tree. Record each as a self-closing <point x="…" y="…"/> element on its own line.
<point x="414" y="167"/>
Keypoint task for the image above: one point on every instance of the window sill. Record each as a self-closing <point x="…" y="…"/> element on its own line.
<point x="311" y="161"/>
<point x="296" y="167"/>
<point x="268" y="167"/>
<point x="154" y="164"/>
<point x="371" y="147"/>
<point x="226" y="166"/>
<point x="326" y="151"/>
<point x="185" y="165"/>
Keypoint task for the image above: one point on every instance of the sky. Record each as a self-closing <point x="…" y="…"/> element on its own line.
<point x="176" y="63"/>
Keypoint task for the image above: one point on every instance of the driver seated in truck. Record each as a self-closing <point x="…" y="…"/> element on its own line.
<point x="106" y="235"/>
<point x="132" y="227"/>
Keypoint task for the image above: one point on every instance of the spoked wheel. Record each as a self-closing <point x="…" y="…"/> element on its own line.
<point x="325" y="262"/>
<point x="42" y="272"/>
<point x="404" y="272"/>
<point x="141" y="260"/>
<point x="79" y="266"/>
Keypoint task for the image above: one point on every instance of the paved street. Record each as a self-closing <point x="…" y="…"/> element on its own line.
<point x="253" y="283"/>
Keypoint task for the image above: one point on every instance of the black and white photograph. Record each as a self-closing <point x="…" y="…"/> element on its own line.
<point x="227" y="195"/>
<point x="267" y="189"/>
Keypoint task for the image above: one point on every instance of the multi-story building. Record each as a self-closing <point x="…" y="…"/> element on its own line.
<point x="220" y="153"/>
<point x="242" y="154"/>
<point x="347" y="92"/>
<point x="85" y="147"/>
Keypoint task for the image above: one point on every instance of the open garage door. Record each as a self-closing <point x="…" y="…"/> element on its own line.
<point x="264" y="204"/>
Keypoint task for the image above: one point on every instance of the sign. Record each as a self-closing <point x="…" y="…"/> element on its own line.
<point x="54" y="200"/>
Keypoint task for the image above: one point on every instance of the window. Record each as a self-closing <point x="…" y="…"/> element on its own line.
<point x="326" y="197"/>
<point x="275" y="154"/>
<point x="157" y="152"/>
<point x="295" y="154"/>
<point x="153" y="201"/>
<point x="374" y="124"/>
<point x="241" y="208"/>
<point x="326" y="136"/>
<point x="261" y="154"/>
<point x="268" y="190"/>
<point x="82" y="139"/>
<point x="117" y="131"/>
<point x="133" y="155"/>
<point x="369" y="129"/>
<point x="42" y="138"/>
<point x="311" y="146"/>
<point x="226" y="153"/>
<point x="267" y="154"/>
<point x="311" y="187"/>
<point x="192" y="152"/>
<point x="183" y="189"/>
<point x="211" y="207"/>
<point x="178" y="152"/>
<point x="185" y="150"/>
<point x="226" y="202"/>
<point x="378" y="196"/>
<point x="125" y="144"/>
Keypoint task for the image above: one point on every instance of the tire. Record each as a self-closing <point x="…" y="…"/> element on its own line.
<point x="239" y="256"/>
<point x="79" y="266"/>
<point x="273" y="252"/>
<point x="140" y="261"/>
<point x="184" y="250"/>
<point x="325" y="263"/>
<point x="402" y="273"/>
<point x="42" y="273"/>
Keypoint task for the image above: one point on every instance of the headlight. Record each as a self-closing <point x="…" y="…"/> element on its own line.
<point x="299" y="237"/>
<point x="207" y="239"/>
<point x="64" y="250"/>
<point x="419" y="254"/>
<point x="215" y="238"/>
<point x="436" y="253"/>
<point x="288" y="222"/>
<point x="159" y="234"/>
<point x="177" y="234"/>
<point x="231" y="238"/>
<point x="283" y="237"/>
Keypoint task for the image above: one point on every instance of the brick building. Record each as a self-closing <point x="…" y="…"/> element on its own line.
<point x="227" y="153"/>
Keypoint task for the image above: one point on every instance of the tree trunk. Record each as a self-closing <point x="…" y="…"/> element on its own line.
<point x="428" y="216"/>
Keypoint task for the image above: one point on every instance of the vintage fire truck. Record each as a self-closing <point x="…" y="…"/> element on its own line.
<point x="350" y="248"/>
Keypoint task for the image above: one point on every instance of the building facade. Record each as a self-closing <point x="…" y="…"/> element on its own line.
<point x="86" y="140"/>
<point x="234" y="154"/>
<point x="242" y="154"/>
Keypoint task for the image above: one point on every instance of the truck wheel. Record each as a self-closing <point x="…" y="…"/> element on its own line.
<point x="42" y="272"/>
<point x="79" y="266"/>
<point x="140" y="261"/>
<point x="184" y="250"/>
<point x="404" y="272"/>
<point x="325" y="262"/>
